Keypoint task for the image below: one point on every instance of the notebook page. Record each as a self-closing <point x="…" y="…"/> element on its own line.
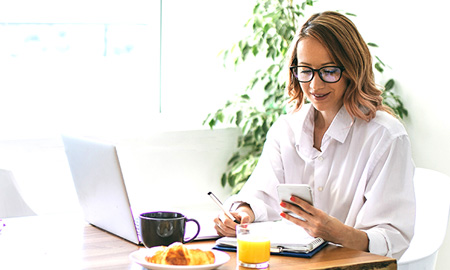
<point x="281" y="233"/>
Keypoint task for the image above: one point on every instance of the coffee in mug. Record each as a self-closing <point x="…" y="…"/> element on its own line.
<point x="164" y="228"/>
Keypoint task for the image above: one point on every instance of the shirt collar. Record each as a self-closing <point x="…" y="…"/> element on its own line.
<point x="340" y="127"/>
<point x="338" y="130"/>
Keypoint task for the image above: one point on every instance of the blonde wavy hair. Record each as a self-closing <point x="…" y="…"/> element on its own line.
<point x="339" y="36"/>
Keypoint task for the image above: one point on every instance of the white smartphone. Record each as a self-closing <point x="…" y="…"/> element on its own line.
<point x="303" y="191"/>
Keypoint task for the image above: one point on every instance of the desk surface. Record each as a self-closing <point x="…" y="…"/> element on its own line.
<point x="65" y="242"/>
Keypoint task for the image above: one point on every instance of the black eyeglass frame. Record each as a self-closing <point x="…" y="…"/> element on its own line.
<point x="341" y="69"/>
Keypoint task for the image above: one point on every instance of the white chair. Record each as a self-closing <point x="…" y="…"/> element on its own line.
<point x="11" y="202"/>
<point x="433" y="203"/>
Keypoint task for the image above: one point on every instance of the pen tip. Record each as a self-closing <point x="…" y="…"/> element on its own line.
<point x="209" y="193"/>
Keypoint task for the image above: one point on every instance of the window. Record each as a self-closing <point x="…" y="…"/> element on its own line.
<point x="91" y="66"/>
<point x="71" y="65"/>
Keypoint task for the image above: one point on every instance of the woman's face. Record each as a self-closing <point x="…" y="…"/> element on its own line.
<point x="325" y="97"/>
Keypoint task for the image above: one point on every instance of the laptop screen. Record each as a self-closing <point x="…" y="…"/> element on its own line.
<point x="99" y="185"/>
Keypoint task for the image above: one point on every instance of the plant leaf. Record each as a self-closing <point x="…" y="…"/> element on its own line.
<point x="238" y="117"/>
<point x="389" y="85"/>
<point x="223" y="180"/>
<point x="379" y="67"/>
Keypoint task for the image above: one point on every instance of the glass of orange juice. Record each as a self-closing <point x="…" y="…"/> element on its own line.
<point x="253" y="246"/>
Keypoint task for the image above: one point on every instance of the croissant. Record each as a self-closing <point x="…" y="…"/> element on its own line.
<point x="178" y="254"/>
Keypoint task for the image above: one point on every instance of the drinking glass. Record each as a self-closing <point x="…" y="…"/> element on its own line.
<point x="253" y="246"/>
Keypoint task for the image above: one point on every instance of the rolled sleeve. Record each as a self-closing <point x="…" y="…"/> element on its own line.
<point x="378" y="244"/>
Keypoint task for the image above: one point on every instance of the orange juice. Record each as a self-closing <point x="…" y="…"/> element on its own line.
<point x="253" y="249"/>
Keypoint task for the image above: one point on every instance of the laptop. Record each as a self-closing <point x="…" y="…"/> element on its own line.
<point x="102" y="192"/>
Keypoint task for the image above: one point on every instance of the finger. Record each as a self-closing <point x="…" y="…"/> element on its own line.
<point x="305" y="206"/>
<point x="245" y="219"/>
<point x="238" y="216"/>
<point x="226" y="221"/>
<point x="241" y="217"/>
<point x="221" y="228"/>
<point x="227" y="225"/>
<point x="221" y="231"/>
<point x="230" y="225"/>
<point x="218" y="230"/>
<point x="217" y="227"/>
<point x="297" y="221"/>
<point x="294" y="208"/>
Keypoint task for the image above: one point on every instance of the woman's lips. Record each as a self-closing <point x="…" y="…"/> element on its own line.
<point x="320" y="96"/>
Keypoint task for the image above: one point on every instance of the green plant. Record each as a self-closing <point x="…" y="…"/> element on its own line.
<point x="274" y="24"/>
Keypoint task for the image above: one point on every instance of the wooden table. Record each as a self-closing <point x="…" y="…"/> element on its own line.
<point x="67" y="242"/>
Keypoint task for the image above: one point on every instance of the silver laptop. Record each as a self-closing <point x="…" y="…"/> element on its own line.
<point x="102" y="193"/>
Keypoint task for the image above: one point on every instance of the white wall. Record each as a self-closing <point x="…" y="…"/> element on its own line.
<point x="176" y="169"/>
<point x="413" y="39"/>
<point x="193" y="78"/>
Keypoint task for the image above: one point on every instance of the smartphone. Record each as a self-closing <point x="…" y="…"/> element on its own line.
<point x="303" y="191"/>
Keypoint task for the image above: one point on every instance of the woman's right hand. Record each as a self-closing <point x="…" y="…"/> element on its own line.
<point x="227" y="227"/>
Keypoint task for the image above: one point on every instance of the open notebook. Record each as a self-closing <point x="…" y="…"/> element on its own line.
<point x="284" y="237"/>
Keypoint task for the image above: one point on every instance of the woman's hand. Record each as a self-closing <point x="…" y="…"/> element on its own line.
<point x="227" y="227"/>
<point x="319" y="224"/>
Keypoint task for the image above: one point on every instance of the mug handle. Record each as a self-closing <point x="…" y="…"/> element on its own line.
<point x="198" y="230"/>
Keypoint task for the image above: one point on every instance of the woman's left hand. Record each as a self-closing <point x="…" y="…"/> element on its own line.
<point x="319" y="224"/>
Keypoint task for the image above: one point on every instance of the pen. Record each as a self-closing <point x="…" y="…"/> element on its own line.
<point x="217" y="201"/>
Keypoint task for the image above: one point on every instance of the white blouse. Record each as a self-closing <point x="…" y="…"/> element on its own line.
<point x="363" y="176"/>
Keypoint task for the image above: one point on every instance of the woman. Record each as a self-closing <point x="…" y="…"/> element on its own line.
<point x="345" y="144"/>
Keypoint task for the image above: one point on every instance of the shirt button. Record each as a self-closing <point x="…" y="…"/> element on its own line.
<point x="320" y="188"/>
<point x="320" y="158"/>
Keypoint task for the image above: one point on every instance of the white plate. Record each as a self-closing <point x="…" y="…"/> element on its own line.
<point x="139" y="257"/>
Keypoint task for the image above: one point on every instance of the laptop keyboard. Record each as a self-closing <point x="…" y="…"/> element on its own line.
<point x="137" y="223"/>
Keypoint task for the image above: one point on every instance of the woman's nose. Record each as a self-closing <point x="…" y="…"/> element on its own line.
<point x="316" y="82"/>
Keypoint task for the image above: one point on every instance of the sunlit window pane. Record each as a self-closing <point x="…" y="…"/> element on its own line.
<point x="64" y="69"/>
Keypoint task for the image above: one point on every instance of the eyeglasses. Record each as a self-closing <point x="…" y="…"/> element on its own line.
<point x="330" y="74"/>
